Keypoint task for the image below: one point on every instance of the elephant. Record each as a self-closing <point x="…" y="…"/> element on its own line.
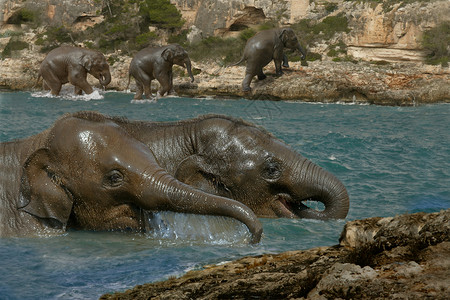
<point x="150" y="63"/>
<point x="235" y="159"/>
<point x="87" y="172"/>
<point x="72" y="64"/>
<point x="265" y="46"/>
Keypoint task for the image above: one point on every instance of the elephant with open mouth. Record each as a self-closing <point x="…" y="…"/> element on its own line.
<point x="238" y="160"/>
<point x="90" y="172"/>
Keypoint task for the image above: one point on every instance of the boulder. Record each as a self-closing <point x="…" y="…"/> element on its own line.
<point x="401" y="257"/>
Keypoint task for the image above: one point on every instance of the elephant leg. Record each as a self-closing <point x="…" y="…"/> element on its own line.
<point x="148" y="90"/>
<point x="285" y="61"/>
<point x="51" y="82"/>
<point x="139" y="91"/>
<point x="78" y="91"/>
<point x="246" y="82"/>
<point x="78" y="80"/>
<point x="164" y="81"/>
<point x="85" y="86"/>
<point x="279" y="72"/>
<point x="45" y="86"/>
<point x="261" y="75"/>
<point x="171" y="90"/>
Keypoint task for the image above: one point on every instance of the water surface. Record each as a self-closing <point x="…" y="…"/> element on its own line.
<point x="392" y="160"/>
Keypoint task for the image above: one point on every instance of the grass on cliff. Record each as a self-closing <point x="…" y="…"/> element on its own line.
<point x="125" y="28"/>
<point x="436" y="41"/>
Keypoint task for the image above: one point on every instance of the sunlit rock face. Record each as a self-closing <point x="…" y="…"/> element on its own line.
<point x="54" y="13"/>
<point x="377" y="31"/>
<point x="393" y="34"/>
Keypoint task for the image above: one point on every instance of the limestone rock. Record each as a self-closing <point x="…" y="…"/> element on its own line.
<point x="402" y="257"/>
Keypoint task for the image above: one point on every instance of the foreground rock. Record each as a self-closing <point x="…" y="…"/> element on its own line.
<point x="404" y="257"/>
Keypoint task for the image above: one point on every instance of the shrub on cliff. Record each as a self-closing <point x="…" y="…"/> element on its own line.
<point x="125" y="28"/>
<point x="13" y="45"/>
<point x="22" y="16"/>
<point x="126" y="25"/>
<point x="436" y="41"/>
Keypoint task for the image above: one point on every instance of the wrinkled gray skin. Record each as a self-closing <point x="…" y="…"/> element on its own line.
<point x="90" y="172"/>
<point x="265" y="46"/>
<point x="72" y="64"/>
<point x="237" y="160"/>
<point x="156" y="63"/>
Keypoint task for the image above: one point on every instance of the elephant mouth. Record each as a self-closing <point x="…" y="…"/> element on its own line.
<point x="287" y="207"/>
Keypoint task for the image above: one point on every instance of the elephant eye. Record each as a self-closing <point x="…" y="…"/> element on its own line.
<point x="272" y="170"/>
<point x="113" y="179"/>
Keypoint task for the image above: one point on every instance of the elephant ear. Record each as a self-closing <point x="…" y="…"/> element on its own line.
<point x="42" y="192"/>
<point x="167" y="54"/>
<point x="195" y="172"/>
<point x="283" y="35"/>
<point x="86" y="62"/>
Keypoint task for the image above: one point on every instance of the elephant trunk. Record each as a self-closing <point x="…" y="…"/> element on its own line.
<point x="104" y="78"/>
<point x="187" y="62"/>
<point x="316" y="184"/>
<point x="300" y="49"/>
<point x="167" y="193"/>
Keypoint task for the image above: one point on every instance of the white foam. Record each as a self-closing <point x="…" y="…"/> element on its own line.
<point x="67" y="93"/>
<point x="214" y="230"/>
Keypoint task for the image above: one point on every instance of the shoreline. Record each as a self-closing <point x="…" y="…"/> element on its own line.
<point x="406" y="256"/>
<point x="393" y="84"/>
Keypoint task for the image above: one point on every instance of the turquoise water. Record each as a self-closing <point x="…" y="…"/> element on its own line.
<point x="392" y="160"/>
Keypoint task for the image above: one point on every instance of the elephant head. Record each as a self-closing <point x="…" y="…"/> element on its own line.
<point x="245" y="163"/>
<point x="91" y="174"/>
<point x="289" y="40"/>
<point x="175" y="54"/>
<point x="95" y="64"/>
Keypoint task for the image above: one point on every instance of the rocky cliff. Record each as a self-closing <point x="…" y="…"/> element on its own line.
<point x="378" y="30"/>
<point x="401" y="257"/>
<point x="377" y="59"/>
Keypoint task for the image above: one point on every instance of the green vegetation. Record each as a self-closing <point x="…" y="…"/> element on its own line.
<point x="160" y="13"/>
<point x="125" y="28"/>
<point x="388" y="5"/>
<point x="310" y="32"/>
<point x="436" y="41"/>
<point x="13" y="45"/>
<point x="53" y="37"/>
<point x="224" y="51"/>
<point x="22" y="16"/>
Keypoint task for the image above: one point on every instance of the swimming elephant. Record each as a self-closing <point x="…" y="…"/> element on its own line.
<point x="265" y="46"/>
<point x="88" y="172"/>
<point x="72" y="64"/>
<point x="235" y="159"/>
<point x="151" y="63"/>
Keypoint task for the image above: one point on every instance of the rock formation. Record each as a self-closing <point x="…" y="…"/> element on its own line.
<point x="402" y="257"/>
<point x="377" y="33"/>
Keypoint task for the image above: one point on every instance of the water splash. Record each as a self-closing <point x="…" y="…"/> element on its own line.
<point x="68" y="94"/>
<point x="215" y="230"/>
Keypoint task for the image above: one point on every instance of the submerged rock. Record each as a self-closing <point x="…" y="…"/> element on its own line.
<point x="403" y="257"/>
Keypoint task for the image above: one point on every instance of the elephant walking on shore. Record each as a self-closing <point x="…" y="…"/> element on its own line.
<point x="89" y="172"/>
<point x="156" y="63"/>
<point x="265" y="46"/>
<point x="72" y="64"/>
